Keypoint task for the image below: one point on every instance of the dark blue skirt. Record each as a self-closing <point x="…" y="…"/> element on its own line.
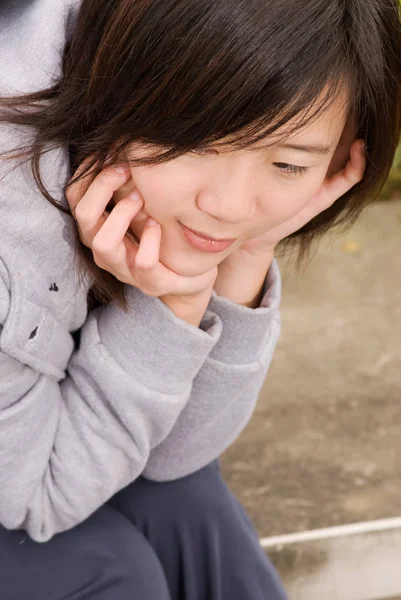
<point x="187" y="539"/>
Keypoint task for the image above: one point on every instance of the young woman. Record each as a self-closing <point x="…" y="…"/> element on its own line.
<point x="204" y="133"/>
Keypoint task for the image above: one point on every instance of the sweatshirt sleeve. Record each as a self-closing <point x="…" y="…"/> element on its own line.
<point x="67" y="445"/>
<point x="226" y="388"/>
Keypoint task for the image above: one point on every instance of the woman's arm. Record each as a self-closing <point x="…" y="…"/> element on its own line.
<point x="67" y="446"/>
<point x="227" y="386"/>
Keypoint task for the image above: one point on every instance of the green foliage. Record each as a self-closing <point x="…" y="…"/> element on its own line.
<point x="393" y="185"/>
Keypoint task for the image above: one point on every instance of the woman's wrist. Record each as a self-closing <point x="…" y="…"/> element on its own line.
<point x="241" y="278"/>
<point x="189" y="308"/>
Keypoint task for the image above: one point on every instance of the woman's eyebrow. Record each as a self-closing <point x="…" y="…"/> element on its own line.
<point x="310" y="148"/>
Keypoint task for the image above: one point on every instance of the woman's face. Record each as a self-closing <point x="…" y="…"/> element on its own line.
<point x="235" y="194"/>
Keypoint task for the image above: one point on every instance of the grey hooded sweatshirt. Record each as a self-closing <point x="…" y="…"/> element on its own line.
<point x="145" y="393"/>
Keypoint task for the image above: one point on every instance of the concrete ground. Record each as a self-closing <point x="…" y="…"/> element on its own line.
<point x="324" y="445"/>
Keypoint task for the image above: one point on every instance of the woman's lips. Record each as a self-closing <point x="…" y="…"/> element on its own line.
<point x="203" y="243"/>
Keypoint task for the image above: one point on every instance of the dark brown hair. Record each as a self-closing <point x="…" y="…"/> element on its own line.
<point x="179" y="74"/>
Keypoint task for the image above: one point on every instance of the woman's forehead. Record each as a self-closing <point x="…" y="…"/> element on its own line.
<point x="328" y="124"/>
<point x="318" y="133"/>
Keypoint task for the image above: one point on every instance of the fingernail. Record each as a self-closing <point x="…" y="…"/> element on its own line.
<point x="151" y="222"/>
<point x="135" y="196"/>
<point x="122" y="168"/>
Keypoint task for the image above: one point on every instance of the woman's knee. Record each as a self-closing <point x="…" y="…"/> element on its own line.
<point x="197" y="498"/>
<point x="202" y="535"/>
<point x="104" y="558"/>
<point x="129" y="558"/>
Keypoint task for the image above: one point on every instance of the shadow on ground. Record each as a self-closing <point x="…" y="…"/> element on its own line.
<point x="324" y="445"/>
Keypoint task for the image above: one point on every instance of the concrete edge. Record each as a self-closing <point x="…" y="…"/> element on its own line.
<point x="332" y="532"/>
<point x="360" y="561"/>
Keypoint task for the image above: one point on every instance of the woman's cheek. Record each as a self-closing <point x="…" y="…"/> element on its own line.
<point x="165" y="195"/>
<point x="289" y="201"/>
<point x="311" y="185"/>
<point x="286" y="202"/>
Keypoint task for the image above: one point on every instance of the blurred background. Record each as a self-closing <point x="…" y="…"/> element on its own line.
<point x="323" y="447"/>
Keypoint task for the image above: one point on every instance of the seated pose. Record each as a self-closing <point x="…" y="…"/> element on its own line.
<point x="153" y="154"/>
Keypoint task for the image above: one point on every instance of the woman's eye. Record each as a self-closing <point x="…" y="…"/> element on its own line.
<point x="290" y="169"/>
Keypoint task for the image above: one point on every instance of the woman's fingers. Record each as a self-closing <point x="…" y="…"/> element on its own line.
<point x="332" y="189"/>
<point x="110" y="236"/>
<point x="342" y="152"/>
<point x="112" y="248"/>
<point x="335" y="186"/>
<point x="148" y="273"/>
<point x="91" y="207"/>
<point x="88" y="209"/>
<point x="76" y="190"/>
<point x="154" y="278"/>
<point x="136" y="265"/>
<point x="148" y="253"/>
<point x="340" y="183"/>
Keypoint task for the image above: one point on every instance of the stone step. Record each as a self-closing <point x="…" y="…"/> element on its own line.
<point x="361" y="561"/>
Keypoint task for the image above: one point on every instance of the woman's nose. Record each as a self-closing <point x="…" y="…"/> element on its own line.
<point x="229" y="199"/>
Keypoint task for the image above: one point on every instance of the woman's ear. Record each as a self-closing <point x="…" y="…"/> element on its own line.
<point x="342" y="153"/>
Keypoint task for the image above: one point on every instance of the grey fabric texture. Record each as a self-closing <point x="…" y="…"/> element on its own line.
<point x="146" y="393"/>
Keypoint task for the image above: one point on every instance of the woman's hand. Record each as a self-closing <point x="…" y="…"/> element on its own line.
<point x="331" y="190"/>
<point x="116" y="251"/>
<point x="240" y="275"/>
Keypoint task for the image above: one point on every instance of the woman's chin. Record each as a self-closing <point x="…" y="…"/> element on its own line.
<point x="186" y="266"/>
